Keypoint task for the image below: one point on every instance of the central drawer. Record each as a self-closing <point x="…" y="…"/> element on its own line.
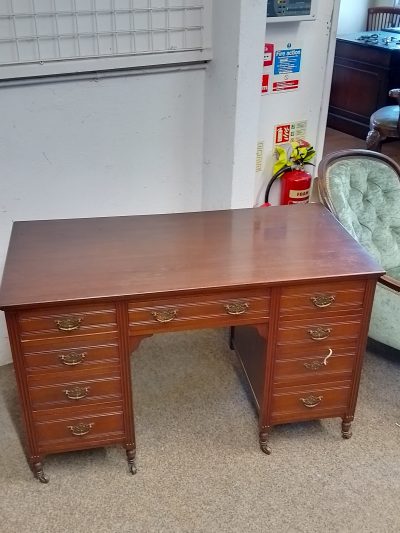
<point x="179" y="313"/>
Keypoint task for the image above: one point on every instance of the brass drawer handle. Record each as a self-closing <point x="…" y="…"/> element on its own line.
<point x="311" y="401"/>
<point x="80" y="429"/>
<point x="69" y="324"/>
<point x="316" y="365"/>
<point x="72" y="359"/>
<point x="165" y="316"/>
<point x="238" y="308"/>
<point x="76" y="393"/>
<point x="319" y="334"/>
<point x="323" y="300"/>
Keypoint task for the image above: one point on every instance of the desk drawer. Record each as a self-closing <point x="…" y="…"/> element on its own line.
<point x="66" y="321"/>
<point x="310" y="401"/>
<point x="199" y="311"/>
<point x="320" y="367"/>
<point x="89" y="428"/>
<point x="69" y="356"/>
<point x="78" y="388"/>
<point x="320" y="299"/>
<point x="313" y="332"/>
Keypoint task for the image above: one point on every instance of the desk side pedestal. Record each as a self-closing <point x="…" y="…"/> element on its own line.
<point x="308" y="365"/>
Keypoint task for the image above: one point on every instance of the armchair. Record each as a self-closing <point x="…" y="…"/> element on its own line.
<point x="384" y="123"/>
<point x="362" y="189"/>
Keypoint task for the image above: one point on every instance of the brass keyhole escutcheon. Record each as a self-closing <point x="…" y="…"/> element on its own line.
<point x="237" y="308"/>
<point x="311" y="401"/>
<point x="166" y="315"/>
<point x="81" y="429"/>
<point x="76" y="393"/>
<point x="72" y="359"/>
<point x="319" y="333"/>
<point x="69" y="323"/>
<point x="323" y="300"/>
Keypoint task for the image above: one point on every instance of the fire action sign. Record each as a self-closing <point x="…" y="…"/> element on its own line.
<point x="282" y="67"/>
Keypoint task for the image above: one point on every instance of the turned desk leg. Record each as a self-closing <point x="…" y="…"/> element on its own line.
<point x="346" y="427"/>
<point x="130" y="455"/>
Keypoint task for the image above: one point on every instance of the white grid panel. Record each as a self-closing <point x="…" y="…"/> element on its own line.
<point x="60" y="34"/>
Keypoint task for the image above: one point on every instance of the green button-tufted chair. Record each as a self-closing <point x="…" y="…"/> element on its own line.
<point x="362" y="189"/>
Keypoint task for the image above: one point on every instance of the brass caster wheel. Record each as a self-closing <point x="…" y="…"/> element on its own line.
<point x="265" y="448"/>
<point x="132" y="469"/>
<point x="42" y="478"/>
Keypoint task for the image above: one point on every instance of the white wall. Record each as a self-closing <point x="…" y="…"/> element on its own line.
<point x="382" y="3"/>
<point x="233" y="103"/>
<point x="116" y="146"/>
<point x="353" y="15"/>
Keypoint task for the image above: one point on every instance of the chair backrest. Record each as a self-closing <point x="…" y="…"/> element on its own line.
<point x="383" y="17"/>
<point x="362" y="189"/>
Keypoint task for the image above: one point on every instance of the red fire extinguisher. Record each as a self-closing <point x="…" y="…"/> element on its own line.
<point x="289" y="167"/>
<point x="295" y="186"/>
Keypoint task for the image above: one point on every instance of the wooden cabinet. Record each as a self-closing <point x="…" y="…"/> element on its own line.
<point x="314" y="353"/>
<point x="70" y="374"/>
<point x="300" y="310"/>
<point x="363" y="74"/>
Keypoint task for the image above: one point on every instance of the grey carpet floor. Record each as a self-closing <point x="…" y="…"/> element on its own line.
<point x="199" y="465"/>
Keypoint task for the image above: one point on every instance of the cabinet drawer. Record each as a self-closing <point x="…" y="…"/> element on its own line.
<point x="198" y="311"/>
<point x="66" y="321"/>
<point x="320" y="299"/>
<point x="87" y="429"/>
<point x="72" y="355"/>
<point x="52" y="390"/>
<point x="309" y="333"/>
<point x="310" y="401"/>
<point x="315" y="350"/>
<point x="319" y="367"/>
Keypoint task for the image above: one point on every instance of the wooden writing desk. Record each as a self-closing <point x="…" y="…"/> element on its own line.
<point x="79" y="295"/>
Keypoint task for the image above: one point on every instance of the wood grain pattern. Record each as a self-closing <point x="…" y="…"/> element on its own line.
<point x="110" y="258"/>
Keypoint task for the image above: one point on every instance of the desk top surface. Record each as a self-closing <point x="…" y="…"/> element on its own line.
<point x="117" y="257"/>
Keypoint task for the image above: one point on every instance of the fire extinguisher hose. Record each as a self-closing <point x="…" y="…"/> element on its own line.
<point x="273" y="179"/>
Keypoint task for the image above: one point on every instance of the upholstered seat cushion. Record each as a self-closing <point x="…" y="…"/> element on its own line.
<point x="384" y="325"/>
<point x="366" y="197"/>
<point x="386" y="119"/>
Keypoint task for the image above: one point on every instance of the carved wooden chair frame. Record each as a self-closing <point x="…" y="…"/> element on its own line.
<point x="324" y="191"/>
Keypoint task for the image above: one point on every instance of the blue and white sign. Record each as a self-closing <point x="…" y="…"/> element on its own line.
<point x="287" y="61"/>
